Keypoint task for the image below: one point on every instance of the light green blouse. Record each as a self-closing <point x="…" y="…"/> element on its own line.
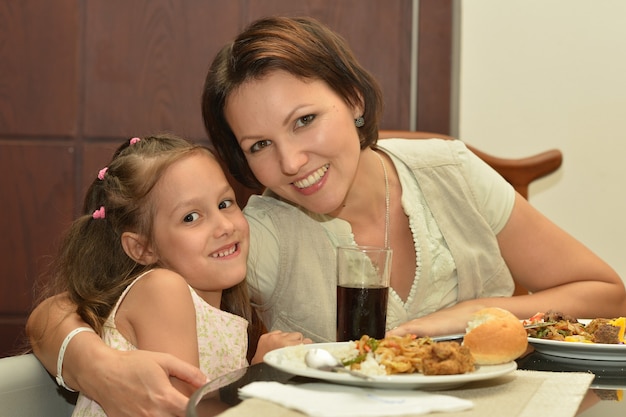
<point x="446" y="191"/>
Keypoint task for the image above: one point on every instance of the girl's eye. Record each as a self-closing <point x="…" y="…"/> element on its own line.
<point x="305" y="120"/>
<point x="225" y="204"/>
<point x="191" y="217"/>
<point x="260" y="145"/>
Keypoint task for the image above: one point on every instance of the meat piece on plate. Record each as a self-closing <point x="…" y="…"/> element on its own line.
<point x="606" y="333"/>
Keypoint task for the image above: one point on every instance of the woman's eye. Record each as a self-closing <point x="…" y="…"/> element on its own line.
<point x="191" y="217"/>
<point x="305" y="120"/>
<point x="225" y="204"/>
<point x="260" y="145"/>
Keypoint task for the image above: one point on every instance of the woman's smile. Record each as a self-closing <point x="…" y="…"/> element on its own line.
<point x="312" y="179"/>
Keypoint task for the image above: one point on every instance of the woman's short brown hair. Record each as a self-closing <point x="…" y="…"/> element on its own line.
<point x="301" y="46"/>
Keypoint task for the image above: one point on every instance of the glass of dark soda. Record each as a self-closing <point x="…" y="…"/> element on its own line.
<point x="363" y="276"/>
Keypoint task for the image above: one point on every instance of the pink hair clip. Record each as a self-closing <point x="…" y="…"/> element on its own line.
<point x="134" y="140"/>
<point x="99" y="214"/>
<point x="102" y="172"/>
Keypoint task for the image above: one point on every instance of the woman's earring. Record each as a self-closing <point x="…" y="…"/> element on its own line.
<point x="359" y="121"/>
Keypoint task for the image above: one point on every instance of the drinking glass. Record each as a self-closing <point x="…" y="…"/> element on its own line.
<point x="363" y="276"/>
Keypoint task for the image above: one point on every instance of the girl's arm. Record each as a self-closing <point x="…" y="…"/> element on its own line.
<point x="158" y="314"/>
<point x="124" y="383"/>
<point x="277" y="339"/>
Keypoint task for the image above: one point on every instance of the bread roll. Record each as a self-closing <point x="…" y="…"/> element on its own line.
<point x="495" y="336"/>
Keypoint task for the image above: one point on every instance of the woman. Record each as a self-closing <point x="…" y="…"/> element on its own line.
<point x="289" y="108"/>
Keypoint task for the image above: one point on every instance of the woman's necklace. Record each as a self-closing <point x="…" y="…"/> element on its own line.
<point x="380" y="158"/>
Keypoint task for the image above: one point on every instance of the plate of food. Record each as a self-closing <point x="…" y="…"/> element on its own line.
<point x="580" y="350"/>
<point x="291" y="359"/>
<point x="588" y="339"/>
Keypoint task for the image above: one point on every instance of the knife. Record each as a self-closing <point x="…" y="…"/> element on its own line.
<point x="462" y="335"/>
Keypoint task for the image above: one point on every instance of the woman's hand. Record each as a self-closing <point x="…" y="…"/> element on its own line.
<point x="451" y="320"/>
<point x="277" y="339"/>
<point x="137" y="383"/>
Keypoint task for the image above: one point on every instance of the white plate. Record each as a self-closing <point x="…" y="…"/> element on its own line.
<point x="291" y="359"/>
<point x="579" y="350"/>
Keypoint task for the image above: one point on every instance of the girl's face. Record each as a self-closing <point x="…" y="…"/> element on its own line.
<point x="199" y="231"/>
<point x="298" y="137"/>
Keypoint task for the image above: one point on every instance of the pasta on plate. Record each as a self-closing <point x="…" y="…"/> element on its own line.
<point x="409" y="354"/>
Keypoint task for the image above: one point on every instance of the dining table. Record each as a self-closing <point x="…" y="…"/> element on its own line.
<point x="540" y="385"/>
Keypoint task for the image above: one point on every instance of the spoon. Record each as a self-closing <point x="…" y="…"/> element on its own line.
<point x="323" y="360"/>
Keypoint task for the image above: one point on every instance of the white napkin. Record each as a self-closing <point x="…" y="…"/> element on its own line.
<point x="329" y="400"/>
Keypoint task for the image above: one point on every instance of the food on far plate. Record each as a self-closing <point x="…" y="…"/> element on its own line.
<point x="569" y="329"/>
<point x="495" y="336"/>
<point x="609" y="394"/>
<point x="409" y="354"/>
<point x="607" y="330"/>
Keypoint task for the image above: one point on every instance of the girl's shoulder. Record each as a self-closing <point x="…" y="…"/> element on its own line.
<point x="153" y="296"/>
<point x="158" y="287"/>
<point x="159" y="278"/>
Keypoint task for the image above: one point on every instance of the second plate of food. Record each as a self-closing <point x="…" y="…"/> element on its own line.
<point x="579" y="350"/>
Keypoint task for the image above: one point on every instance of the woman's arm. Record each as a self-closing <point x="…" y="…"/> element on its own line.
<point x="124" y="383"/>
<point x="47" y="327"/>
<point x="561" y="273"/>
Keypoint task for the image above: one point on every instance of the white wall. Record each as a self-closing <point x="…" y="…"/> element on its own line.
<point x="537" y="74"/>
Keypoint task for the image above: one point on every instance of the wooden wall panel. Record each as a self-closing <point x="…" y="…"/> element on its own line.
<point x="38" y="71"/>
<point x="145" y="67"/>
<point x="434" y="84"/>
<point x="37" y="183"/>
<point x="79" y="77"/>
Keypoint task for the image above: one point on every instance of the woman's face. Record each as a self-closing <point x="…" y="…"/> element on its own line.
<point x="298" y="137"/>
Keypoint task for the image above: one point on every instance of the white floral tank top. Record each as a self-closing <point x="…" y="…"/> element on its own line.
<point x="222" y="344"/>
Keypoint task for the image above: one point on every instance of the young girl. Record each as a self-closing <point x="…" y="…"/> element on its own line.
<point x="163" y="248"/>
